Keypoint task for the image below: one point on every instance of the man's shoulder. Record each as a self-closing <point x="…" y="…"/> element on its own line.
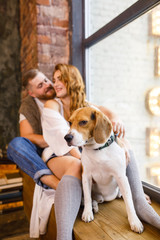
<point x="28" y="104"/>
<point x="30" y="110"/>
<point x="28" y="100"/>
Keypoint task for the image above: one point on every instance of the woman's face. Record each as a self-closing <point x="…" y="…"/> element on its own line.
<point x="58" y="85"/>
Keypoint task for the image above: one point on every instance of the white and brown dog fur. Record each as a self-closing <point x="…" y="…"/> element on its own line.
<point x="104" y="171"/>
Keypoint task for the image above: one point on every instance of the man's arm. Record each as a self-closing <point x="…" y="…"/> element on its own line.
<point x="27" y="131"/>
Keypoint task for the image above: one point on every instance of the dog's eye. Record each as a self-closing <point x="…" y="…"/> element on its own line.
<point x="70" y="123"/>
<point x="82" y="123"/>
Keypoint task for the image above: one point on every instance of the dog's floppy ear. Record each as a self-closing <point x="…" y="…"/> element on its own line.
<point x="102" y="129"/>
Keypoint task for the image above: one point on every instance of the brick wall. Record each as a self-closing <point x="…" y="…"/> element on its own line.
<point x="28" y="32"/>
<point x="45" y="34"/>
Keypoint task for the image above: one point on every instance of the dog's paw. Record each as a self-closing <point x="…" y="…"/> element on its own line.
<point x="99" y="198"/>
<point x="87" y="216"/>
<point x="95" y="206"/>
<point x="119" y="194"/>
<point x="136" y="225"/>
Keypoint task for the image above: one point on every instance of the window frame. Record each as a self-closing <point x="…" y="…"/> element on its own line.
<point x="77" y="22"/>
<point x="80" y="45"/>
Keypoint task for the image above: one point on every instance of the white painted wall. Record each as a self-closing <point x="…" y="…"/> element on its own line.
<point x="121" y="71"/>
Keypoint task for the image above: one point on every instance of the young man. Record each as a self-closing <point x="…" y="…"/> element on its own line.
<point x="31" y="143"/>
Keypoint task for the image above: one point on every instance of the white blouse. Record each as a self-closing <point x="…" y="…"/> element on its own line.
<point x="55" y="127"/>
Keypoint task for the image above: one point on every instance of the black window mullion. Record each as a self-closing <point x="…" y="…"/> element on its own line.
<point x="130" y="14"/>
<point x="77" y="23"/>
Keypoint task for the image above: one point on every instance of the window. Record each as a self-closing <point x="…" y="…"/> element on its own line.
<point x="98" y="13"/>
<point x="120" y="61"/>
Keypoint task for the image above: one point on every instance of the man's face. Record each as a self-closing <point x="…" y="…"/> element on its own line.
<point x="41" y="87"/>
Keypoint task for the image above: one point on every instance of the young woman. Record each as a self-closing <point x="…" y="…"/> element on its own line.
<point x="65" y="162"/>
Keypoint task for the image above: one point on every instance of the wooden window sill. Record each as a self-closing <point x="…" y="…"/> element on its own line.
<point x="111" y="223"/>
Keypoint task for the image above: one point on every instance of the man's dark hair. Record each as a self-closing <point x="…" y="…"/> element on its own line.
<point x="29" y="75"/>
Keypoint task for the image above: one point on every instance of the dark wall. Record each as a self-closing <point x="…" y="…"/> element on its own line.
<point x="9" y="70"/>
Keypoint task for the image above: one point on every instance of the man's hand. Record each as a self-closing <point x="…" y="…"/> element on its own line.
<point x="118" y="128"/>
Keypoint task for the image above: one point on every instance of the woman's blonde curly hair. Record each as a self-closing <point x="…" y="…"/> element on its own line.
<point x="73" y="81"/>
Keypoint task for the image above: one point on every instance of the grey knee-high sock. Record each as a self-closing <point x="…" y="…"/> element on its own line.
<point x="144" y="211"/>
<point x="67" y="202"/>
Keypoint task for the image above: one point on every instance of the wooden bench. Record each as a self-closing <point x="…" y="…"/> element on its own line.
<point x="109" y="224"/>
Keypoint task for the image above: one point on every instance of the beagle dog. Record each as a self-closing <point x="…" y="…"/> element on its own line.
<point x="103" y="163"/>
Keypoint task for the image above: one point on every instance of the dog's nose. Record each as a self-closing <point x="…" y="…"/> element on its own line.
<point x="68" y="138"/>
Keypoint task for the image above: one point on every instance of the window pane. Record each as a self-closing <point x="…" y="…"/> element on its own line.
<point x="103" y="11"/>
<point x="121" y="72"/>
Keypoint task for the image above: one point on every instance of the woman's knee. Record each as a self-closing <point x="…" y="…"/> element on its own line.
<point x="66" y="165"/>
<point x="77" y="165"/>
<point x="75" y="168"/>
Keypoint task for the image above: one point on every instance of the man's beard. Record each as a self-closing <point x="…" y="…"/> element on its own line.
<point x="46" y="96"/>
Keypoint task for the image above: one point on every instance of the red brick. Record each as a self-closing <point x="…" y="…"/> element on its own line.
<point x="47" y="69"/>
<point x="28" y="27"/>
<point x="44" y="20"/>
<point x="44" y="58"/>
<point x="60" y="2"/>
<point x="59" y="31"/>
<point x="60" y="23"/>
<point x="38" y="10"/>
<point x="44" y="39"/>
<point x="44" y="2"/>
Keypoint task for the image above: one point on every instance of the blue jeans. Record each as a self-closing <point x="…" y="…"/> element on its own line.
<point x="28" y="158"/>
